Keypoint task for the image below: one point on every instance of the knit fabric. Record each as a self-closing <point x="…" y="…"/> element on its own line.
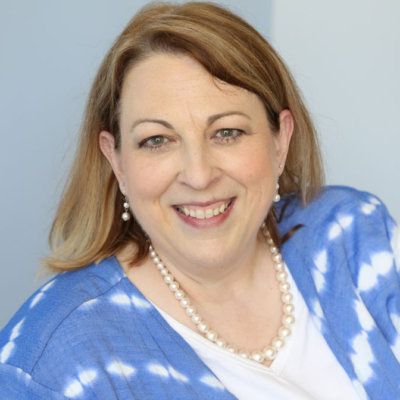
<point x="90" y="334"/>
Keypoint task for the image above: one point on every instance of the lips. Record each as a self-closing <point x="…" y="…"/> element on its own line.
<point x="204" y="212"/>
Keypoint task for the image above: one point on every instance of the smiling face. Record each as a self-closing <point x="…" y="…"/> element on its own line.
<point x="198" y="161"/>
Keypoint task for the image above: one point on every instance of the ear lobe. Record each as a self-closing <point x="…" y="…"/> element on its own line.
<point x="107" y="147"/>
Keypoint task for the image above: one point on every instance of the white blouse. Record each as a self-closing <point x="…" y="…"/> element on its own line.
<point x="304" y="369"/>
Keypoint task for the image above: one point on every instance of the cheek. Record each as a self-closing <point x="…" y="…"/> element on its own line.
<point x="255" y="167"/>
<point x="146" y="181"/>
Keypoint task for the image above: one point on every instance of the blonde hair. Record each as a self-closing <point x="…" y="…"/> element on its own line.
<point x="88" y="225"/>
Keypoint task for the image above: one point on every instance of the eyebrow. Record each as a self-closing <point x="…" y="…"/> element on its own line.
<point x="155" y="121"/>
<point x="210" y="120"/>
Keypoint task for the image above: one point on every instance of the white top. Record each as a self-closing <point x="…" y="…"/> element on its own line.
<point x="304" y="369"/>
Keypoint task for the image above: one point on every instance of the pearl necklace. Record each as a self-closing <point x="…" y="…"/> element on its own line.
<point x="269" y="352"/>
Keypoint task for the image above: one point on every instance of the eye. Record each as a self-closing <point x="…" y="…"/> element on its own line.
<point x="154" y="142"/>
<point x="228" y="135"/>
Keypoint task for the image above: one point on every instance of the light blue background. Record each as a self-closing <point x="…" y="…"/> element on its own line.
<point x="345" y="56"/>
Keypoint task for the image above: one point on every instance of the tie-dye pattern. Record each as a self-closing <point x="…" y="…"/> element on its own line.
<point x="90" y="334"/>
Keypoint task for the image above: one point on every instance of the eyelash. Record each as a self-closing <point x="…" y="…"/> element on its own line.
<point x="146" y="142"/>
<point x="230" y="139"/>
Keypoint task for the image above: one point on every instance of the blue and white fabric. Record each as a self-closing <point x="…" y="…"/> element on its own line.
<point x="90" y="334"/>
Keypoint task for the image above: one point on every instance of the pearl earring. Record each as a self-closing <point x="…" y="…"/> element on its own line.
<point x="126" y="216"/>
<point x="277" y="197"/>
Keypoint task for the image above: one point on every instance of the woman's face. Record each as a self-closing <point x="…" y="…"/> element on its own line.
<point x="197" y="160"/>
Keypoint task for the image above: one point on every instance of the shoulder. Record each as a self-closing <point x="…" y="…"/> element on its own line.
<point x="334" y="204"/>
<point x="343" y="198"/>
<point x="25" y="337"/>
<point x="346" y="228"/>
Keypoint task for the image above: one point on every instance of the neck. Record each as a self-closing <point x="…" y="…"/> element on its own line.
<point x="214" y="282"/>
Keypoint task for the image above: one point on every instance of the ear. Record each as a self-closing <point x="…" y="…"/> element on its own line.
<point x="282" y="139"/>
<point x="107" y="146"/>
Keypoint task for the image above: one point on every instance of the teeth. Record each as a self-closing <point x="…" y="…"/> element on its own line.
<point x="200" y="214"/>
<point x="204" y="214"/>
<point x="209" y="213"/>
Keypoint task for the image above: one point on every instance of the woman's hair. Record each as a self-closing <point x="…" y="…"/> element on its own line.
<point x="88" y="226"/>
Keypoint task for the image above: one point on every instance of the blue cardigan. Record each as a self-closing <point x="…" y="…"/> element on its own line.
<point x="90" y="334"/>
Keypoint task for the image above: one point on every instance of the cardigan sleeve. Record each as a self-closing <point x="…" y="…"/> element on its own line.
<point x="345" y="261"/>
<point x="16" y="384"/>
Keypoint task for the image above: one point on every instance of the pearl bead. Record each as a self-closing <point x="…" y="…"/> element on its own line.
<point x="284" y="332"/>
<point x="284" y="286"/>
<point x="287" y="320"/>
<point x="164" y="271"/>
<point x="257" y="356"/>
<point x="287" y="298"/>
<point x="203" y="327"/>
<point x="288" y="308"/>
<point x="168" y="278"/>
<point x="185" y="302"/>
<point x="270" y="353"/>
<point x="274" y="250"/>
<point x="126" y="205"/>
<point x="244" y="354"/>
<point x="277" y="258"/>
<point x="179" y="294"/>
<point x="220" y="342"/>
<point x="280" y="266"/>
<point x="190" y="311"/>
<point x="152" y="253"/>
<point x="173" y="286"/>
<point x="281" y="276"/>
<point x="231" y="349"/>
<point x="277" y="342"/>
<point x="211" y="335"/>
<point x="126" y="216"/>
<point x="156" y="260"/>
<point x="160" y="265"/>
<point x="196" y="319"/>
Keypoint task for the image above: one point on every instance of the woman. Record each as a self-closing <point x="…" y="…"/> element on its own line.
<point x="170" y="230"/>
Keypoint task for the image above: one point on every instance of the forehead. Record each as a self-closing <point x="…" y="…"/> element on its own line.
<point x="165" y="81"/>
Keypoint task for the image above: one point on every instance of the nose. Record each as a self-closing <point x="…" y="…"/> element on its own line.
<point x="198" y="167"/>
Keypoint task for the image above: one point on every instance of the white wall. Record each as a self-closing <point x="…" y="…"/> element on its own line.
<point x="345" y="55"/>
<point x="49" y="52"/>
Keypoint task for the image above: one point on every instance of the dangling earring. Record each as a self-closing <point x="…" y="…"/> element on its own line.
<point x="277" y="197"/>
<point x="126" y="216"/>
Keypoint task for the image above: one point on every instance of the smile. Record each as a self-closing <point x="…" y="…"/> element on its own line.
<point x="204" y="213"/>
